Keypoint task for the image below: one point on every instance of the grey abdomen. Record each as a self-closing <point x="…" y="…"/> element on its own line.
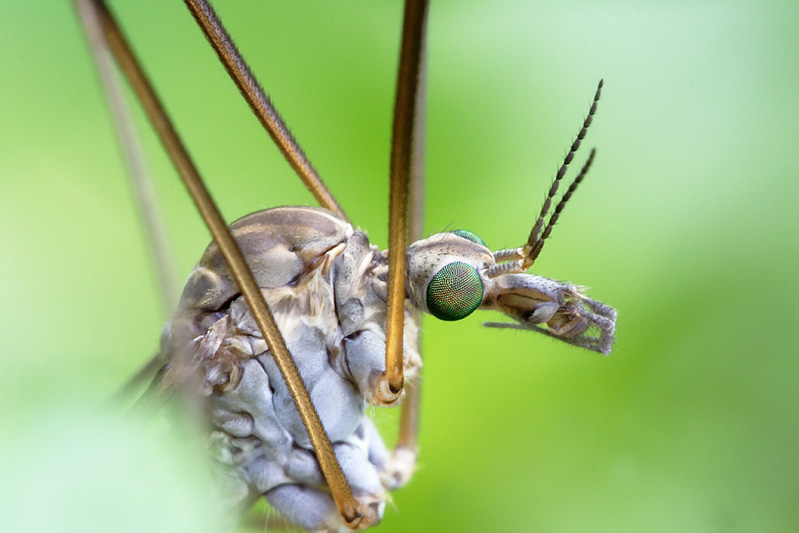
<point x="295" y="254"/>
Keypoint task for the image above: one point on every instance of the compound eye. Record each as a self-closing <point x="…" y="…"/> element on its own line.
<point x="469" y="236"/>
<point x="454" y="292"/>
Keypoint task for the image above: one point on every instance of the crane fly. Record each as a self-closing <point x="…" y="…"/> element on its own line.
<point x="292" y="322"/>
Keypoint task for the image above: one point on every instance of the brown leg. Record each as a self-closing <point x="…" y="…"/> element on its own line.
<point x="407" y="445"/>
<point x="390" y="383"/>
<point x="230" y="251"/>
<point x="260" y="103"/>
<point x="135" y="160"/>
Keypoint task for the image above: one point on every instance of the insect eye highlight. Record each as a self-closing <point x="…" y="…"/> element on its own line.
<point x="469" y="236"/>
<point x="454" y="292"/>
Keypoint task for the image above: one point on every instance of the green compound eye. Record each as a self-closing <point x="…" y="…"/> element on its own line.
<point x="454" y="292"/>
<point x="469" y="236"/>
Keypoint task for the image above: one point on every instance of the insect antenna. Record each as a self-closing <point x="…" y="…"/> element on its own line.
<point x="520" y="259"/>
<point x="535" y="234"/>
<point x="558" y="208"/>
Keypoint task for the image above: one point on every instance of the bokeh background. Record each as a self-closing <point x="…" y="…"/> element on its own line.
<point x="687" y="224"/>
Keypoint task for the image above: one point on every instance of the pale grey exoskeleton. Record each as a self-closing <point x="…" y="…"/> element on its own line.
<point x="293" y="322"/>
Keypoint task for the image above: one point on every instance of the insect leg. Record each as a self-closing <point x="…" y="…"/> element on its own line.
<point x="402" y="461"/>
<point x="135" y="160"/>
<point x="232" y="255"/>
<point x="404" y="454"/>
<point x="144" y="375"/>
<point x="416" y="207"/>
<point x="260" y="103"/>
<point x="391" y="382"/>
<point x="141" y="184"/>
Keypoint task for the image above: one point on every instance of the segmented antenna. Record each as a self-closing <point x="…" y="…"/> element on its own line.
<point x="520" y="259"/>
<point x="535" y="235"/>
<point x="558" y="208"/>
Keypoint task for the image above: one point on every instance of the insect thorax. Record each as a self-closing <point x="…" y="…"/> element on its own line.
<point x="325" y="284"/>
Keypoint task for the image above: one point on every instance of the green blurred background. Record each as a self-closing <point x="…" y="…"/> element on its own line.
<point x="687" y="224"/>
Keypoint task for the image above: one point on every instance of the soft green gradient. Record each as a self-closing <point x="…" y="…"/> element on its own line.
<point x="687" y="224"/>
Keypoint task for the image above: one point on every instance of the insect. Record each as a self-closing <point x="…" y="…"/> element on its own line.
<point x="283" y="356"/>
